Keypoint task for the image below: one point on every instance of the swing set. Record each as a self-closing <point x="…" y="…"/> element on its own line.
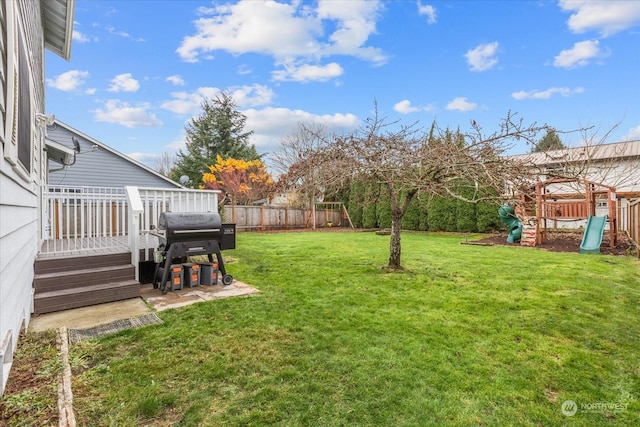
<point x="335" y="214"/>
<point x="555" y="202"/>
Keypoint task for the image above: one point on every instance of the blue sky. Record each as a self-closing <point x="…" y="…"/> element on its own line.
<point x="139" y="70"/>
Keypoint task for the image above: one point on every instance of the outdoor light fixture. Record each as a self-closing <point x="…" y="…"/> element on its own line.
<point x="47" y="119"/>
<point x="62" y="154"/>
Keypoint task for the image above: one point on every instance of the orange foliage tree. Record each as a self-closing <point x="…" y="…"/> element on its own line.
<point x="242" y="181"/>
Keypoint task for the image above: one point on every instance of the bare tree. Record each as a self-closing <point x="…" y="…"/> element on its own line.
<point x="306" y="140"/>
<point x="406" y="161"/>
<point x="595" y="160"/>
<point x="165" y="164"/>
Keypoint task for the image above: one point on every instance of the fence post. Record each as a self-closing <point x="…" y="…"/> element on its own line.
<point x="286" y="218"/>
<point x="134" y="211"/>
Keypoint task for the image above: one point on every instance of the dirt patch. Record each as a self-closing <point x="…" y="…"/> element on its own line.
<point x="30" y="396"/>
<point x="569" y="242"/>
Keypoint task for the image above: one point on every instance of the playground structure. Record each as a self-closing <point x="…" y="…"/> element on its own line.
<point x="561" y="200"/>
<point x="332" y="211"/>
<point x="510" y="219"/>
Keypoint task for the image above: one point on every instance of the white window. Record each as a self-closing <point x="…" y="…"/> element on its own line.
<point x="18" y="112"/>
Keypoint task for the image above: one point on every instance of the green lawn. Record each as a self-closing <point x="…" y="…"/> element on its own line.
<point x="466" y="335"/>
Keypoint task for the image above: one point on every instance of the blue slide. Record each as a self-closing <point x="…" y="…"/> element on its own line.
<point x="592" y="237"/>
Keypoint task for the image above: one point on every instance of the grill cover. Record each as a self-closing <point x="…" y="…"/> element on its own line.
<point x="186" y="227"/>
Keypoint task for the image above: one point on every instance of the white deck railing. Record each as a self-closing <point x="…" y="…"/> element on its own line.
<point x="80" y="220"/>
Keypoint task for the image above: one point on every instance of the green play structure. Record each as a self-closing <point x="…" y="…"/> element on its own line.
<point x="510" y="219"/>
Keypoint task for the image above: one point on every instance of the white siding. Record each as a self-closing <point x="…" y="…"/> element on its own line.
<point x="102" y="167"/>
<point x="19" y="199"/>
<point x="18" y="247"/>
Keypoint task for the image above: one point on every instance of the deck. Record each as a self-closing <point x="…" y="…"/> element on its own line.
<point x="83" y="246"/>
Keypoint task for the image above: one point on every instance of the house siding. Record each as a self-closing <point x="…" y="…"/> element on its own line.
<point x="103" y="167"/>
<point x="18" y="248"/>
<point x="19" y="190"/>
<point x="615" y="164"/>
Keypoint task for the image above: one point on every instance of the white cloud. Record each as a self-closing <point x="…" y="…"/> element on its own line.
<point x="287" y="32"/>
<point x="482" y="57"/>
<point x="189" y="102"/>
<point x="243" y="96"/>
<point x="148" y="159"/>
<point x="123" y="114"/>
<point x="179" y="143"/>
<point x="605" y="16"/>
<point x="262" y="27"/>
<point x="405" y="107"/>
<point x="111" y="30"/>
<point x="124" y="83"/>
<point x="305" y="73"/>
<point x="244" y="69"/>
<point x="632" y="135"/>
<point x="251" y="96"/>
<point x="271" y="125"/>
<point x="546" y="94"/>
<point x="176" y="80"/>
<point x="461" y="104"/>
<point x="579" y="55"/>
<point x="354" y="22"/>
<point x="68" y="81"/>
<point x="429" y="11"/>
<point x="78" y="37"/>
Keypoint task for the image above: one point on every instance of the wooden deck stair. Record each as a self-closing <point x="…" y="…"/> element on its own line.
<point x="62" y="283"/>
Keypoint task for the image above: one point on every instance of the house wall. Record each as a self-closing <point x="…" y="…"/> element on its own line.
<point x="623" y="174"/>
<point x="102" y="167"/>
<point x="19" y="183"/>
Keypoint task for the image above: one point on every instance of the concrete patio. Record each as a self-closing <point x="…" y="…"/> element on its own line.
<point x="151" y="300"/>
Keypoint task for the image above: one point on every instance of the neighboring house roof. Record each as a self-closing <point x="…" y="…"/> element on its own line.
<point x="618" y="150"/>
<point x="616" y="165"/>
<point x="101" y="166"/>
<point x="57" y="22"/>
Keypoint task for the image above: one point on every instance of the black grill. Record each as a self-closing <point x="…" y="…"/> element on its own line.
<point x="186" y="234"/>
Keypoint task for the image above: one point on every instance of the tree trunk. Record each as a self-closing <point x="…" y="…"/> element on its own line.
<point x="394" y="246"/>
<point x="398" y="209"/>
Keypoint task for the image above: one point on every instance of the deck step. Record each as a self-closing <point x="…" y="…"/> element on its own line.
<point x="63" y="283"/>
<point x="58" y="300"/>
<point x="57" y="264"/>
<point x="70" y="279"/>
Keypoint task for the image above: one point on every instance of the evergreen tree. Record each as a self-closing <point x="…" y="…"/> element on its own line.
<point x="383" y="210"/>
<point x="218" y="131"/>
<point x="369" y="217"/>
<point x="424" y="212"/>
<point x="411" y="219"/>
<point x="442" y="214"/>
<point x="466" y="213"/>
<point x="488" y="220"/>
<point x="356" y="202"/>
<point x="551" y="141"/>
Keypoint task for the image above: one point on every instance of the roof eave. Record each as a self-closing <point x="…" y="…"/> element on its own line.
<point x="57" y="17"/>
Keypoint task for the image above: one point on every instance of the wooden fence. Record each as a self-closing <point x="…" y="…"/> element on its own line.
<point x="633" y="222"/>
<point x="280" y="218"/>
